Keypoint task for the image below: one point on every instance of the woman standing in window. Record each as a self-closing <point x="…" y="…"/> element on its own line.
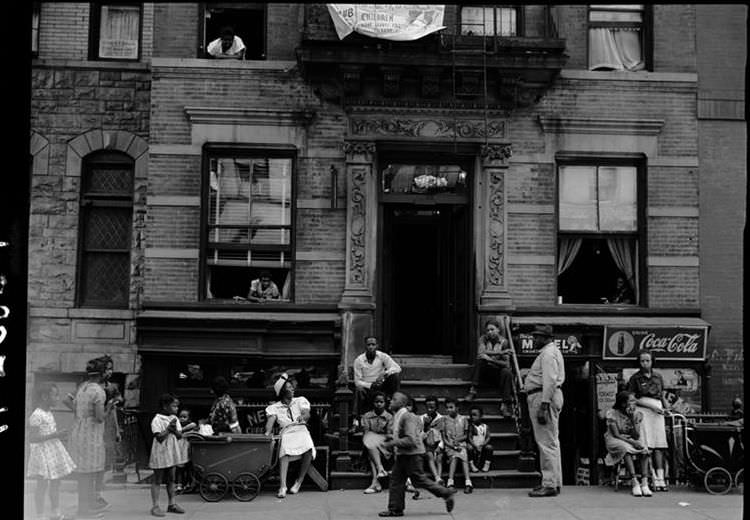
<point x="648" y="387"/>
<point x="292" y="414"/>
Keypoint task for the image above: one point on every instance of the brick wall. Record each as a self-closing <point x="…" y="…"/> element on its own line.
<point x="674" y="38"/>
<point x="176" y="30"/>
<point x="171" y="280"/>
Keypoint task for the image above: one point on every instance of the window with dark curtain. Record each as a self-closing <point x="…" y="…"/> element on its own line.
<point x="106" y="221"/>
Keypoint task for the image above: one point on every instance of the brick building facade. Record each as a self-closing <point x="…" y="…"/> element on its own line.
<point x="311" y="132"/>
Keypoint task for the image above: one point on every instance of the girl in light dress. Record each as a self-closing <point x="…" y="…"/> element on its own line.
<point x="166" y="453"/>
<point x="624" y="440"/>
<point x="292" y="414"/>
<point x="49" y="461"/>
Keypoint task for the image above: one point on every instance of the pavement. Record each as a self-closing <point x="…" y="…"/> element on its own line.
<point x="132" y="501"/>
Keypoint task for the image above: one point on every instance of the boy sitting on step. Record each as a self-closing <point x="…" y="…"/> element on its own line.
<point x="455" y="428"/>
<point x="480" y="450"/>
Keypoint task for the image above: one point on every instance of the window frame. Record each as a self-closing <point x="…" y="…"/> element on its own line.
<point x="202" y="51"/>
<point x="639" y="162"/>
<point x="95" y="17"/>
<point x="103" y="158"/>
<point x="647" y="43"/>
<point x="36" y="9"/>
<point x="520" y="19"/>
<point x="270" y="151"/>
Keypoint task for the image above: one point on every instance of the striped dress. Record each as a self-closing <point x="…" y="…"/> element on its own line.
<point x="167" y="453"/>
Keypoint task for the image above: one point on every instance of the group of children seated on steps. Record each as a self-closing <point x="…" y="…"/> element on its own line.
<point x="452" y="436"/>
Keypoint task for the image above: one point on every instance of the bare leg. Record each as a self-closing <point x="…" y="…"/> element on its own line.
<point x="98" y="486"/>
<point x="629" y="465"/>
<point x="431" y="464"/>
<point x="155" y="485"/>
<point x="374" y="470"/>
<point x="465" y="466"/>
<point x="374" y="454"/>
<point x="169" y="475"/>
<point x="54" y="496"/>
<point x="658" y="460"/>
<point x="304" y="466"/>
<point x="283" y="468"/>
<point x="439" y="463"/>
<point x="452" y="469"/>
<point x="39" y="494"/>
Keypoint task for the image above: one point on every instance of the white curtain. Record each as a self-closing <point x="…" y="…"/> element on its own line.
<point x="618" y="49"/>
<point x="622" y="253"/>
<point x="119" y="30"/>
<point x="567" y="252"/>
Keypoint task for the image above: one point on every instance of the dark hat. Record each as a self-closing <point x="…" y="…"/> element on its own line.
<point x="542" y="330"/>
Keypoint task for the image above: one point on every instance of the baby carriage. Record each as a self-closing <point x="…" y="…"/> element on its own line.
<point x="238" y="463"/>
<point x="713" y="453"/>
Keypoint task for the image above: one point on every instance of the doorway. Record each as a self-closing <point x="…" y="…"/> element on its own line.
<point x="425" y="284"/>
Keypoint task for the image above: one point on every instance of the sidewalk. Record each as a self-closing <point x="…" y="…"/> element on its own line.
<point x="132" y="501"/>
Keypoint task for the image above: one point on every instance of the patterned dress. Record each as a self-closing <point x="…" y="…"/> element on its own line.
<point x="453" y="428"/>
<point x="167" y="453"/>
<point x="48" y="459"/>
<point x="618" y="448"/>
<point x="222" y="414"/>
<point x="295" y="437"/>
<point x="87" y="434"/>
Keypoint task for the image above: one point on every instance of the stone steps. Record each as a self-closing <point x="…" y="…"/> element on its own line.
<point x="500" y="478"/>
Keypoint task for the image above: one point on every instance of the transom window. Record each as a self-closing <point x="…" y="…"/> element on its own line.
<point x="246" y="20"/>
<point x="115" y="31"/>
<point x="617" y="37"/>
<point x="249" y="232"/>
<point x="489" y="21"/>
<point x="598" y="234"/>
<point x="106" y="222"/>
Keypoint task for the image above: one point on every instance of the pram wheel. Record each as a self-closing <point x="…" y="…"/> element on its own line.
<point x="246" y="487"/>
<point x="717" y="481"/>
<point x="739" y="480"/>
<point x="213" y="487"/>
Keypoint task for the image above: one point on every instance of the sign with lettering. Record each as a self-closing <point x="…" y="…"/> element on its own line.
<point x="567" y="343"/>
<point x="396" y="22"/>
<point x="675" y="343"/>
<point x="606" y="392"/>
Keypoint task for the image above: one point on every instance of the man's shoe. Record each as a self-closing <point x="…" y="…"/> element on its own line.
<point x="450" y="502"/>
<point x="468" y="490"/>
<point x="174" y="508"/>
<point x="543" y="492"/>
<point x="391" y="513"/>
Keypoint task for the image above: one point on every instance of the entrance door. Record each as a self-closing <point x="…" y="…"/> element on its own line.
<point x="425" y="279"/>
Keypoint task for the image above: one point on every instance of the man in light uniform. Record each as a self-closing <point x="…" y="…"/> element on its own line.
<point x="545" y="399"/>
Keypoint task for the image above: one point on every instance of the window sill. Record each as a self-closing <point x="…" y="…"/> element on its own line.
<point x="207" y="63"/>
<point x="621" y="75"/>
<point x="89" y="64"/>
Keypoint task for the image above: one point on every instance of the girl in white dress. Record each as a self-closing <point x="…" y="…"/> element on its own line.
<point x="166" y="453"/>
<point x="291" y="413"/>
<point x="49" y="461"/>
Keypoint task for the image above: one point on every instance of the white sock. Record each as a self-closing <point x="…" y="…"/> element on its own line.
<point x="468" y="482"/>
<point x="660" y="474"/>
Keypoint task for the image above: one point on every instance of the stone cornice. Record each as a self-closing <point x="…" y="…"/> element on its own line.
<point x="248" y="116"/>
<point x="590" y="125"/>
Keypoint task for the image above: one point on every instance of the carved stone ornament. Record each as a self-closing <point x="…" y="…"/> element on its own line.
<point x="352" y="148"/>
<point x="496" y="230"/>
<point x="358" y="224"/>
<point x="428" y="128"/>
<point x="496" y="152"/>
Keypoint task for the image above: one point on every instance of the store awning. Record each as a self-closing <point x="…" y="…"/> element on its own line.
<point x="614" y="321"/>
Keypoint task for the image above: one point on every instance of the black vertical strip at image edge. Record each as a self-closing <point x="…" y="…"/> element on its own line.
<point x="15" y="183"/>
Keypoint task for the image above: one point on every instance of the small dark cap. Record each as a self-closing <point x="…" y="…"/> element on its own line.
<point x="542" y="330"/>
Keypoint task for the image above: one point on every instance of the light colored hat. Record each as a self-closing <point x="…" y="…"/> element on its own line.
<point x="279" y="384"/>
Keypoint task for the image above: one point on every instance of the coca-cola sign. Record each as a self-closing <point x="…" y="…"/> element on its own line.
<point x="679" y="343"/>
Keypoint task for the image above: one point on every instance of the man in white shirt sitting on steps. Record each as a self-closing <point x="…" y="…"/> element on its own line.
<point x="373" y="371"/>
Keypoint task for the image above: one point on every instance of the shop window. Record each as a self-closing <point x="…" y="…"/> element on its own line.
<point x="490" y="21"/>
<point x="249" y="233"/>
<point x="617" y="37"/>
<point x="36" y="8"/>
<point x="246" y="20"/>
<point x="106" y="220"/>
<point x="599" y="258"/>
<point x="115" y="32"/>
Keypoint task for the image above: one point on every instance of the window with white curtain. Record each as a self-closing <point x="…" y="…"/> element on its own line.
<point x="116" y="31"/>
<point x="617" y="37"/>
<point x="249" y="231"/>
<point x="489" y="21"/>
<point x="598" y="234"/>
<point x="36" y="8"/>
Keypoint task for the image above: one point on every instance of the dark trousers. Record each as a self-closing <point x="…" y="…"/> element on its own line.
<point x="410" y="466"/>
<point x="479" y="456"/>
<point x="486" y="374"/>
<point x="363" y="396"/>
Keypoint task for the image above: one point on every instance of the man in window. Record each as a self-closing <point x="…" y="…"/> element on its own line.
<point x="623" y="293"/>
<point x="227" y="46"/>
<point x="263" y="289"/>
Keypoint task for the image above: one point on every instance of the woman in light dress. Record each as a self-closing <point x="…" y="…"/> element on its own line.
<point x="291" y="414"/>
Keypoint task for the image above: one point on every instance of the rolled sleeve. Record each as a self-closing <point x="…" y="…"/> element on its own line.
<point x="391" y="367"/>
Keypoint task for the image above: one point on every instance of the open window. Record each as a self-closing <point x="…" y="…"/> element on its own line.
<point x="249" y="225"/>
<point x="618" y="37"/>
<point x="501" y="20"/>
<point x="600" y="233"/>
<point x="247" y="21"/>
<point x="115" y="31"/>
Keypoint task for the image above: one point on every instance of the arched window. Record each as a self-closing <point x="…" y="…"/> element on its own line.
<point x="106" y="223"/>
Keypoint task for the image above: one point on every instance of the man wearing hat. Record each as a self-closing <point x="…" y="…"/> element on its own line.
<point x="545" y="400"/>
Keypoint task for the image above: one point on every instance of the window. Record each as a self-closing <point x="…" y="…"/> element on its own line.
<point x="617" y="37"/>
<point x="489" y="21"/>
<point x="247" y="21"/>
<point x="115" y="32"/>
<point x="600" y="233"/>
<point x="249" y="231"/>
<point x="424" y="178"/>
<point x="36" y="8"/>
<point x="106" y="221"/>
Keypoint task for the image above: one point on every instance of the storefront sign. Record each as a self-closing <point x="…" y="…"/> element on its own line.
<point x="682" y="388"/>
<point x="567" y="343"/>
<point x="676" y="343"/>
<point x="606" y="392"/>
<point x="396" y="22"/>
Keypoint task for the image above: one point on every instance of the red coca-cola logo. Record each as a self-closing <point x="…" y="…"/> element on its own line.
<point x="678" y="343"/>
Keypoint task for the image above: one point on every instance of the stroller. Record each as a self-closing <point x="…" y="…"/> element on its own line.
<point x="711" y="454"/>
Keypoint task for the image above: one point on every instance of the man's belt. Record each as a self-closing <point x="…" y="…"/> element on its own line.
<point x="537" y="389"/>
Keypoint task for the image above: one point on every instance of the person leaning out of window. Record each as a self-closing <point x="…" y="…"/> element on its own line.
<point x="262" y="289"/>
<point x="623" y="293"/>
<point x="228" y="45"/>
